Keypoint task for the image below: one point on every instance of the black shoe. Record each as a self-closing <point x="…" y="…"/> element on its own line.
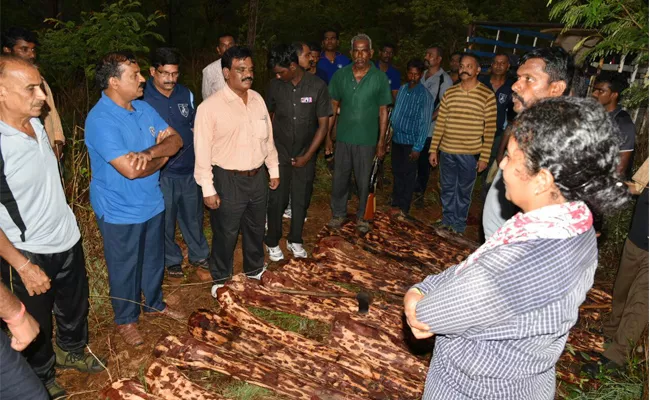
<point x="604" y="364"/>
<point x="418" y="201"/>
<point x="175" y="271"/>
<point x="203" y="263"/>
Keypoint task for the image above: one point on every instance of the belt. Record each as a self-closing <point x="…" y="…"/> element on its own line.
<point x="251" y="172"/>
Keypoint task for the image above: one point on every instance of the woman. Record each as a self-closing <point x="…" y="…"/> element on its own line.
<point x="502" y="316"/>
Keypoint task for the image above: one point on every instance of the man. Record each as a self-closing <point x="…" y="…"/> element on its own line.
<point x="300" y="107"/>
<point x="18" y="380"/>
<point x="607" y="91"/>
<point x="385" y="64"/>
<point x="411" y="121"/>
<point x="330" y="59"/>
<point x="315" y="50"/>
<point x="43" y="241"/>
<point x="213" y="80"/>
<point x="454" y="66"/>
<point x="128" y="143"/>
<point x="436" y="81"/>
<point x="233" y="140"/>
<point x="22" y="43"/>
<point x="464" y="134"/>
<point x="183" y="200"/>
<point x="362" y="93"/>
<point x="502" y="88"/>
<point x="542" y="73"/>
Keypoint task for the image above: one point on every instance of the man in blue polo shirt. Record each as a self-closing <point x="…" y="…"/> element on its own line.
<point x="330" y="59"/>
<point x="128" y="143"/>
<point x="385" y="64"/>
<point x="183" y="201"/>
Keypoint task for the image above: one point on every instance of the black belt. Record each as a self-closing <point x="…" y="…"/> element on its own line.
<point x="251" y="172"/>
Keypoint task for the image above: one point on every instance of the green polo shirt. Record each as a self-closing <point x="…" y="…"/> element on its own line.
<point x="358" y="122"/>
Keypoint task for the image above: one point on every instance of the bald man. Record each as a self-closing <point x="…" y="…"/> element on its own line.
<point x="42" y="237"/>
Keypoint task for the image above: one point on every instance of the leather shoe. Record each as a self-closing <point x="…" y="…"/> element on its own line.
<point x="130" y="334"/>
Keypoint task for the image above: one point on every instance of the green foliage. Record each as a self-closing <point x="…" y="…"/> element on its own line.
<point x="246" y="391"/>
<point x="69" y="47"/>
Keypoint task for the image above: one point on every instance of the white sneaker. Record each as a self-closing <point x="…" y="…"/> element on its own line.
<point x="258" y="276"/>
<point x="287" y="213"/>
<point x="214" y="289"/>
<point x="275" y="253"/>
<point x="297" y="250"/>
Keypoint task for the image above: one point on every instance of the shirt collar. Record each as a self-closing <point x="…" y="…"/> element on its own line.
<point x="9" y="130"/>
<point x="111" y="106"/>
<point x="150" y="89"/>
<point x="231" y="96"/>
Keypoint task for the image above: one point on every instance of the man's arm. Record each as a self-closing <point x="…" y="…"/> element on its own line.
<point x="329" y="140"/>
<point x="489" y="130"/>
<point x="147" y="162"/>
<point x="319" y="136"/>
<point x="206" y="83"/>
<point x="23" y="327"/>
<point x="626" y="158"/>
<point x="439" y="131"/>
<point x="383" y="127"/>
<point x="52" y="121"/>
<point x="33" y="277"/>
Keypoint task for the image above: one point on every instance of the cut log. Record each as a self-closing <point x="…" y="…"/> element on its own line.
<point x="279" y="279"/>
<point x="205" y="325"/>
<point x="188" y="352"/>
<point x="125" y="389"/>
<point x="168" y="383"/>
<point x="586" y="341"/>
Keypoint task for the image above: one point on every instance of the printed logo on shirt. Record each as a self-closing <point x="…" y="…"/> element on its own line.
<point x="390" y="82"/>
<point x="503" y="98"/>
<point x="339" y="66"/>
<point x="152" y="130"/>
<point x="184" y="109"/>
<point x="306" y="100"/>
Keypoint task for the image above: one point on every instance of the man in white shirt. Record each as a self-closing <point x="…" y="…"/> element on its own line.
<point x="213" y="80"/>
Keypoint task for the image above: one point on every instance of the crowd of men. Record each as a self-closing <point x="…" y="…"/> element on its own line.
<point x="157" y="159"/>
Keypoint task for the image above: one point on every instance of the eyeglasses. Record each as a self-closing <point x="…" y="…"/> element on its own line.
<point x="166" y="74"/>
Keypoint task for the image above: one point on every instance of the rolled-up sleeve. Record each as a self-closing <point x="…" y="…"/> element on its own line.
<point x="203" y="133"/>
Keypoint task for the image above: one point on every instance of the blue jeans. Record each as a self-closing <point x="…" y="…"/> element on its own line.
<point x="136" y="264"/>
<point x="183" y="202"/>
<point x="457" y="177"/>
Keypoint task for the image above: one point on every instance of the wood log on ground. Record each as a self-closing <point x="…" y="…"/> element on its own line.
<point x="381" y="315"/>
<point x="125" y="389"/>
<point x="188" y="352"/>
<point x="238" y="315"/>
<point x="278" y="279"/>
<point x="168" y="383"/>
<point x="206" y="326"/>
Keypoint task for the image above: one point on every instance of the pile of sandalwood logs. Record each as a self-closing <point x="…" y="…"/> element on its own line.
<point x="362" y="356"/>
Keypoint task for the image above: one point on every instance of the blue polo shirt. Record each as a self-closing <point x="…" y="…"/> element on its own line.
<point x="178" y="111"/>
<point x="111" y="132"/>
<point x="327" y="68"/>
<point x="393" y="75"/>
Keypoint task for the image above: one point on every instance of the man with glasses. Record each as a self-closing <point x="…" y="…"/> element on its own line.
<point x="183" y="201"/>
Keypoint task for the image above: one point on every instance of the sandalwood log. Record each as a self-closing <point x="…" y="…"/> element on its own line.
<point x="168" y="383"/>
<point x="188" y="352"/>
<point x="125" y="389"/>
<point x="281" y="280"/>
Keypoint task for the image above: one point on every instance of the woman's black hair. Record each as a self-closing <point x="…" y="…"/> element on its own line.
<point x="576" y="141"/>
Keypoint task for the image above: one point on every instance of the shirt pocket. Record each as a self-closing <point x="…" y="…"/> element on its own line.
<point x="260" y="128"/>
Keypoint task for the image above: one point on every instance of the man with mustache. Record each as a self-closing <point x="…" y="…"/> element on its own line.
<point x="315" y="50"/>
<point x="454" y="65"/>
<point x="385" y="64"/>
<point x="233" y="142"/>
<point x="40" y="243"/>
<point x="213" y="79"/>
<point x="544" y="72"/>
<point x="183" y="201"/>
<point x="464" y="133"/>
<point x="128" y="143"/>
<point x="362" y="93"/>
<point x="22" y="43"/>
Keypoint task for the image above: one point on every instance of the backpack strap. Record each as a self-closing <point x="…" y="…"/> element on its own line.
<point x="440" y="82"/>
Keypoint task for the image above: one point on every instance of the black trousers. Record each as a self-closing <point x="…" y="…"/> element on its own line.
<point x="404" y="171"/>
<point x="424" y="168"/>
<point x="17" y="380"/>
<point x="243" y="207"/>
<point x="299" y="184"/>
<point x="68" y="297"/>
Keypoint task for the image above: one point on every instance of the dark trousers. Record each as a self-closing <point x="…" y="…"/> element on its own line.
<point x="297" y="183"/>
<point x="629" y="315"/>
<point x="136" y="265"/>
<point x="183" y="203"/>
<point x="457" y="177"/>
<point x="404" y="171"/>
<point x="243" y="207"/>
<point x="424" y="168"/>
<point x="17" y="380"/>
<point x="348" y="158"/>
<point x="68" y="298"/>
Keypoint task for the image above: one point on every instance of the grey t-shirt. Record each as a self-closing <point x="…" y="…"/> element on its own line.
<point x="41" y="221"/>
<point x="497" y="209"/>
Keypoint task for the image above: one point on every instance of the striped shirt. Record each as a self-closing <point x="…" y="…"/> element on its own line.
<point x="411" y="117"/>
<point x="502" y="322"/>
<point x="466" y="122"/>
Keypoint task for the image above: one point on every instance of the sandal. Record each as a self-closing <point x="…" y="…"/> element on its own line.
<point x="175" y="271"/>
<point x="130" y="334"/>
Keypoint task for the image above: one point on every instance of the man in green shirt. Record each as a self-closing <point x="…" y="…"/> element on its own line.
<point x="363" y="94"/>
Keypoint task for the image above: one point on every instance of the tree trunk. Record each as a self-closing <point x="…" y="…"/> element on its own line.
<point x="252" y="22"/>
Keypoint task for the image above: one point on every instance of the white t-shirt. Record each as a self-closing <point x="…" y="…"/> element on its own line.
<point x="41" y="221"/>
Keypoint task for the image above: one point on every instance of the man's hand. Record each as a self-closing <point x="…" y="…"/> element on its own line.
<point x="34" y="279"/>
<point x="481" y="166"/>
<point x="274" y="183"/>
<point x="162" y="135"/>
<point x="139" y="159"/>
<point x="381" y="151"/>
<point x="414" y="155"/>
<point x="23" y="332"/>
<point x="329" y="146"/>
<point x="433" y="158"/>
<point x="419" y="329"/>
<point x="212" y="202"/>
<point x="58" y="149"/>
<point x="300" y="161"/>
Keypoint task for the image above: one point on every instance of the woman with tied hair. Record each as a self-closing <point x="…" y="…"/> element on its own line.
<point x="502" y="316"/>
